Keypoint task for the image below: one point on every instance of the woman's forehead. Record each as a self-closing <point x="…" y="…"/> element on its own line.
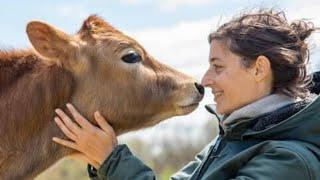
<point x="218" y="49"/>
<point x="219" y="52"/>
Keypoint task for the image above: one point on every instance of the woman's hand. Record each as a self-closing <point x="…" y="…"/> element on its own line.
<point x="93" y="143"/>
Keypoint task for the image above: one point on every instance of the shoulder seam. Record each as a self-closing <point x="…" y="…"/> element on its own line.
<point x="303" y="160"/>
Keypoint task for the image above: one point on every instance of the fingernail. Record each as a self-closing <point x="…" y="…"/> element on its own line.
<point x="56" y="110"/>
<point x="54" y="138"/>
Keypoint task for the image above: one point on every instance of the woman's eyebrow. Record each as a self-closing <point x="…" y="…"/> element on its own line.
<point x="214" y="59"/>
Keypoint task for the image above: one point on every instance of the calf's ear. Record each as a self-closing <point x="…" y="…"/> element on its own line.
<point x="51" y="43"/>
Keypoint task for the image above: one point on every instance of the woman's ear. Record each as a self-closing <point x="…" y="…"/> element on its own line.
<point x="261" y="68"/>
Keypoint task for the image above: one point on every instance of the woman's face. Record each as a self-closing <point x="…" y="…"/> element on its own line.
<point x="232" y="84"/>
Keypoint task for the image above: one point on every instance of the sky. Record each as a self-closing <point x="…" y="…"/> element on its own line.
<point x="173" y="31"/>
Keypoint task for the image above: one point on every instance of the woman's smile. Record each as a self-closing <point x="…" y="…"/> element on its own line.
<point x="217" y="95"/>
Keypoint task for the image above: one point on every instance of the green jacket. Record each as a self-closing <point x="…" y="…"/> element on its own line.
<point x="287" y="149"/>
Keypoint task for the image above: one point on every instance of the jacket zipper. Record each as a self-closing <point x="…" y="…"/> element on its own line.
<point x="211" y="156"/>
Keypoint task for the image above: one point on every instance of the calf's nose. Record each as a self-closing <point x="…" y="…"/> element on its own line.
<point x="200" y="88"/>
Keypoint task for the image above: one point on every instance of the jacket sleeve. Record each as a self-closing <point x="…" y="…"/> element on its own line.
<point x="187" y="171"/>
<point x="278" y="163"/>
<point x="121" y="165"/>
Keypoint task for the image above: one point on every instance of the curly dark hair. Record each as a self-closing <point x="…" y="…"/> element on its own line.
<point x="268" y="33"/>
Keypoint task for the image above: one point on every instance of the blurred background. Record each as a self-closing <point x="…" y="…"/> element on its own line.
<point x="173" y="31"/>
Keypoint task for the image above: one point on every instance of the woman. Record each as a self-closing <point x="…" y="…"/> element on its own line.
<point x="270" y="128"/>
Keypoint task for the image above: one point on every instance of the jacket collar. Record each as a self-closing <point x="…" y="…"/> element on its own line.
<point x="236" y="131"/>
<point x="262" y="106"/>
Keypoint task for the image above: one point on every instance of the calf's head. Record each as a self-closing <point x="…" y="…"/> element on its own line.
<point x="114" y="74"/>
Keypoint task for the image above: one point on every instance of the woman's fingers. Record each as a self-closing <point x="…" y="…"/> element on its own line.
<point x="83" y="122"/>
<point x="74" y="128"/>
<point x="64" y="129"/>
<point x="65" y="143"/>
<point x="102" y="122"/>
<point x="95" y="142"/>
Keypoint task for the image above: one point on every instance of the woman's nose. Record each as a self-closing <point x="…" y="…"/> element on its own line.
<point x="205" y="82"/>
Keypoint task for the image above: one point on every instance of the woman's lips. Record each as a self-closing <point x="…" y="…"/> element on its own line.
<point x="217" y="95"/>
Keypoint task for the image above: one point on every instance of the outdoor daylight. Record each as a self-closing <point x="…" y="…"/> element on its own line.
<point x="154" y="69"/>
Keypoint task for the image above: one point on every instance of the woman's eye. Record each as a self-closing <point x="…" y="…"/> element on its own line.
<point x="217" y="68"/>
<point x="131" y="57"/>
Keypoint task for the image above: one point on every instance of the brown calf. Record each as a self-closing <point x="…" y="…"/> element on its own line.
<point x="99" y="68"/>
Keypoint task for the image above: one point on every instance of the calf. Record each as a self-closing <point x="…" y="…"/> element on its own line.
<point x="98" y="68"/>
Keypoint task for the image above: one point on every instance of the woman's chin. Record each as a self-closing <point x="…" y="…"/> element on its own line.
<point x="222" y="111"/>
<point x="219" y="110"/>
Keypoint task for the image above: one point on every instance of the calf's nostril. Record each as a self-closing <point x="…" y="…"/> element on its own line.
<point x="200" y="88"/>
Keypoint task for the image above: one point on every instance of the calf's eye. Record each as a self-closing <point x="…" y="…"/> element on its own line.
<point x="131" y="57"/>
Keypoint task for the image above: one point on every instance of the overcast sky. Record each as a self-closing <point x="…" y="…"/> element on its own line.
<point x="173" y="31"/>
